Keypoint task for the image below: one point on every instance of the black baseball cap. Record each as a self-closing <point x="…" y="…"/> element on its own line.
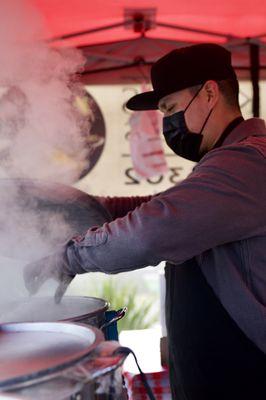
<point x="183" y="68"/>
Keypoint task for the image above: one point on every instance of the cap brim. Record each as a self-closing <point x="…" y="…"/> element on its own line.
<point x="143" y="101"/>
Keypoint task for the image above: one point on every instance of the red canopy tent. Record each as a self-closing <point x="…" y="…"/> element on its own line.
<point x="122" y="38"/>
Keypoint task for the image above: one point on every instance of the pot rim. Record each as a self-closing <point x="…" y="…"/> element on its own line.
<point x="104" y="307"/>
<point x="89" y="314"/>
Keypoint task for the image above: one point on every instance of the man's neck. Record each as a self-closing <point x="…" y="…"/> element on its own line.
<point x="222" y="124"/>
<point x="229" y="128"/>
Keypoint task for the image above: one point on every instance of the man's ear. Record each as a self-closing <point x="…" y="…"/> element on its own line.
<point x="212" y="93"/>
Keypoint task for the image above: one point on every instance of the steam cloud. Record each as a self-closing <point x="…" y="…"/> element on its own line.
<point x="40" y="129"/>
<point x="41" y="136"/>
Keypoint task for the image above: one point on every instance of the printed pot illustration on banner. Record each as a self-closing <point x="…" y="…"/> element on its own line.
<point x="43" y="137"/>
<point x="96" y="135"/>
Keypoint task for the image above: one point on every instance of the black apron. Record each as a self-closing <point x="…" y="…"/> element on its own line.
<point x="210" y="357"/>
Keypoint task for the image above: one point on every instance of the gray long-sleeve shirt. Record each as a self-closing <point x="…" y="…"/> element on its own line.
<point x="217" y="214"/>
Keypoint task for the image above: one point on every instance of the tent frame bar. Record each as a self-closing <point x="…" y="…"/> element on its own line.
<point x="89" y="31"/>
<point x="131" y="21"/>
<point x="254" y="53"/>
<point x="195" y="30"/>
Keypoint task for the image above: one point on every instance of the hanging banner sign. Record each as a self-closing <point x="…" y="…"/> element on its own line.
<point x="134" y="159"/>
<point x="145" y="142"/>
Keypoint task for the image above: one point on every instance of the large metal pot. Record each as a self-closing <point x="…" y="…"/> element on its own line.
<point x="87" y="310"/>
<point x="59" y="361"/>
<point x="91" y="311"/>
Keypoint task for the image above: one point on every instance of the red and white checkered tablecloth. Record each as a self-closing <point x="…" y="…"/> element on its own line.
<point x="158" y="381"/>
<point x="146" y="345"/>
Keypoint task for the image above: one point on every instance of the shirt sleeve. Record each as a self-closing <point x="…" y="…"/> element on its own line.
<point x="223" y="200"/>
<point x="119" y="206"/>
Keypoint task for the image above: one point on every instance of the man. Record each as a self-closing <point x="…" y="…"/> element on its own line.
<point x="210" y="229"/>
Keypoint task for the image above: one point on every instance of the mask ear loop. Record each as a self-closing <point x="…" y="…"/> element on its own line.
<point x="195" y="95"/>
<point x="208" y="116"/>
<point x="206" y="120"/>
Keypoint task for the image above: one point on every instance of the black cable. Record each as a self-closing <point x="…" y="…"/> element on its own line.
<point x="111" y="394"/>
<point x="127" y="351"/>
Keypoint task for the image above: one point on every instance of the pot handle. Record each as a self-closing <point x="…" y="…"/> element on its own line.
<point x="119" y="315"/>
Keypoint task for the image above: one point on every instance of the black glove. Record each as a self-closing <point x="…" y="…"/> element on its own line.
<point x="54" y="266"/>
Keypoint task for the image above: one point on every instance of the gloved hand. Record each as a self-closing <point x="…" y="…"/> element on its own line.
<point x="54" y="266"/>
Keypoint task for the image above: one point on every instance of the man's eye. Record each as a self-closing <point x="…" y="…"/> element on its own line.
<point x="169" y="109"/>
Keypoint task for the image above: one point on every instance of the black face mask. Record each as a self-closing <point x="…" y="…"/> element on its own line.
<point x="179" y="138"/>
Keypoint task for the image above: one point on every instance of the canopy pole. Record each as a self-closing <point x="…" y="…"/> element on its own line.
<point x="254" y="53"/>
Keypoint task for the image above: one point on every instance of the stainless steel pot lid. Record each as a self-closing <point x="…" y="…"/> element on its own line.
<point x="30" y="351"/>
<point x="37" y="309"/>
